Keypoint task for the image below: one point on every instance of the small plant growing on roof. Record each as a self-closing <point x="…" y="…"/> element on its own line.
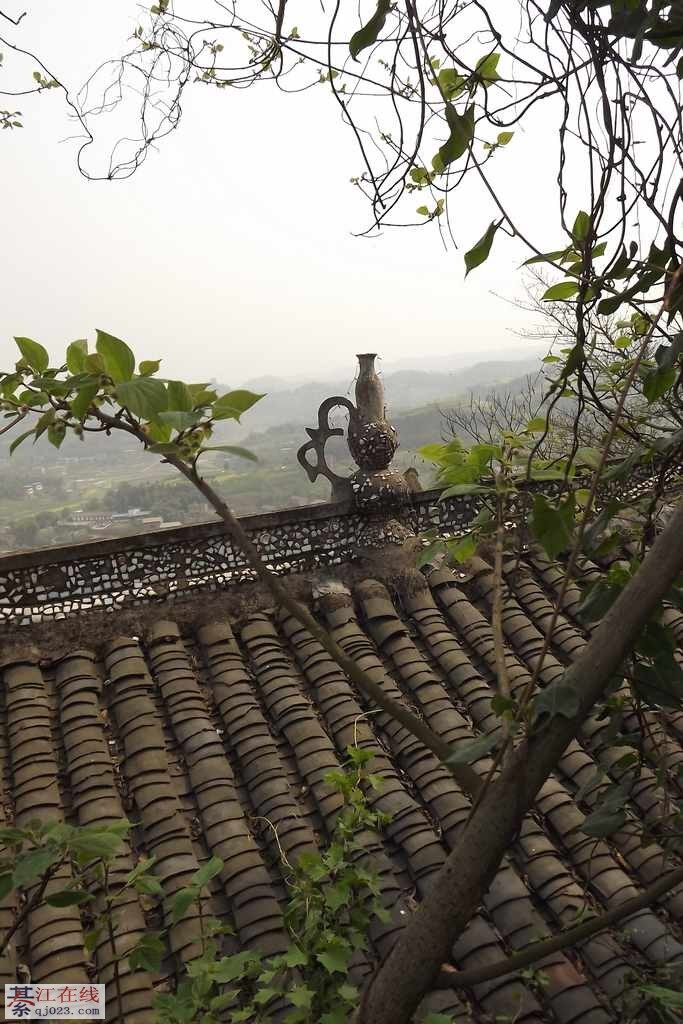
<point x="333" y="898"/>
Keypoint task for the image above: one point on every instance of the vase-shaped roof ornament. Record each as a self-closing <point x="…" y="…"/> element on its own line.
<point x="372" y="441"/>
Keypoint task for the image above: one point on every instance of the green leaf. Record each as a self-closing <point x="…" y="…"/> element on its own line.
<point x="432" y="452"/>
<point x="6" y="884"/>
<point x="12" y="836"/>
<point x="179" y="420"/>
<point x="43" y="423"/>
<point x="423" y="211"/>
<point x="142" y="868"/>
<point x="604" y="822"/>
<point x="166" y="448"/>
<point x="367" y="35"/>
<point x="558" y="256"/>
<point x="504" y="138"/>
<point x="234" y="404"/>
<point x="461" y="550"/>
<point x="159" y="432"/>
<point x="149" y="885"/>
<point x="232" y="967"/>
<point x="56" y="432"/>
<point x="91" y="938"/>
<point x="557" y="292"/>
<point x="310" y="864"/>
<point x="335" y="958"/>
<point x="461" y="489"/>
<point x="118" y="359"/>
<point x="597" y="602"/>
<point x="51" y="386"/>
<point x="182" y="901"/>
<point x="148" y="954"/>
<point x="657" y="383"/>
<point x="211" y="869"/>
<point x="75" y="356"/>
<point x="479" y="253"/>
<point x="581" y="227"/>
<point x="451" y="83"/>
<point x="232" y="449"/>
<point x="144" y="397"/>
<point x="359" y="756"/>
<point x="18" y="440"/>
<point x="437" y="1018"/>
<point x="32" y="398"/>
<point x="295" y="957"/>
<point x="428" y="553"/>
<point x="223" y="1001"/>
<point x="473" y="750"/>
<point x="349" y="993"/>
<point x="94" y="363"/>
<point x="420" y="175"/>
<point x="33" y="864"/>
<point x="301" y="996"/>
<point x="460" y="139"/>
<point x="202" y="395"/>
<point x="501" y="705"/>
<point x="266" y="995"/>
<point x="93" y="843"/>
<point x="668" y="997"/>
<point x="338" y="1016"/>
<point x="609" y="815"/>
<point x="551" y="526"/>
<point x="34" y="354"/>
<point x="537" y="425"/>
<point x="9" y="382"/>
<point x="608" y="306"/>
<point x="179" y="396"/>
<point x="588" y="457"/>
<point x="148" y="367"/>
<point x="623" y="469"/>
<point x="68" y="898"/>
<point x="556" y="699"/>
<point x="82" y="401"/>
<point x="337" y="896"/>
<point x="486" y="69"/>
<point x="660" y="684"/>
<point x="668" y="356"/>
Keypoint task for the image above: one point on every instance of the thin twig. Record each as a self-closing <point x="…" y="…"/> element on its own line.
<point x="536" y="951"/>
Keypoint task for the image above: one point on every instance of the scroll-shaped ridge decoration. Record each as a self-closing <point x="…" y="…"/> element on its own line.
<point x="341" y="486"/>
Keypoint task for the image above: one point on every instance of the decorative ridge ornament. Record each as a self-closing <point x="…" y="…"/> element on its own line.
<point x="372" y="441"/>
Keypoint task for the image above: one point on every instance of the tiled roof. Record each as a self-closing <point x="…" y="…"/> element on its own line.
<point x="215" y="740"/>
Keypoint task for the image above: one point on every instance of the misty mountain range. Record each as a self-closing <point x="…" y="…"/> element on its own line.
<point x="405" y="389"/>
<point x="414" y="400"/>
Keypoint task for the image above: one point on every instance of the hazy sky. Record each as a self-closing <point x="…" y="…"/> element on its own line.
<point x="230" y="252"/>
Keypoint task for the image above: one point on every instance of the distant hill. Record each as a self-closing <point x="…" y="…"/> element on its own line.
<point x="416" y="427"/>
<point x="426" y="425"/>
<point x="415" y="399"/>
<point x="459" y="359"/>
<point x="404" y="389"/>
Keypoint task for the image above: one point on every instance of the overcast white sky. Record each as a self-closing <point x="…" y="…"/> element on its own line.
<point x="230" y="253"/>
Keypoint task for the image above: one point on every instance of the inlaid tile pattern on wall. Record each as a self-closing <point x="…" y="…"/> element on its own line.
<point x="141" y="570"/>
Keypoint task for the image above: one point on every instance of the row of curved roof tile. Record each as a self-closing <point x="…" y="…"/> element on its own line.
<point x="217" y="743"/>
